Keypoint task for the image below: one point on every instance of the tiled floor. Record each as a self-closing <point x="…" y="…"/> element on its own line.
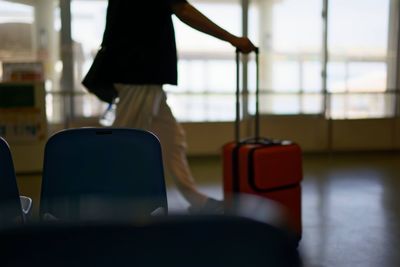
<point x="351" y="207"/>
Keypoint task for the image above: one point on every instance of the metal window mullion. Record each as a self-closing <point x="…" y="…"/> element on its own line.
<point x="325" y="58"/>
<point x="301" y="85"/>
<point x="244" y="60"/>
<point x="396" y="6"/>
<point x="392" y="57"/>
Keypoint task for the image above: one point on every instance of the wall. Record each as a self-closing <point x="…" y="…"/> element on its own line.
<point x="27" y="149"/>
<point x="372" y="134"/>
<point x="313" y="133"/>
<point x="397" y="133"/>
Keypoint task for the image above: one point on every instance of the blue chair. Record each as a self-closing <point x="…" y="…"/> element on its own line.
<point x="13" y="207"/>
<point x="102" y="173"/>
<point x="179" y="241"/>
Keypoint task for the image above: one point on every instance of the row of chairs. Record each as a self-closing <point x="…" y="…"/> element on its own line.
<point x="13" y="207"/>
<point x="93" y="176"/>
<point x="89" y="173"/>
<point x="180" y="241"/>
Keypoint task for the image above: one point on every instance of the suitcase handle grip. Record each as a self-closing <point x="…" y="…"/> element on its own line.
<point x="257" y="114"/>
<point x="255" y="51"/>
<point x="261" y="141"/>
<point x="266" y="142"/>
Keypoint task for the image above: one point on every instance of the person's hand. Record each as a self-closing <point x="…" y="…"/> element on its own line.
<point x="243" y="44"/>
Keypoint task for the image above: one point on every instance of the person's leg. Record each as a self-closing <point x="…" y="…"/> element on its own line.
<point x="145" y="107"/>
<point x="173" y="141"/>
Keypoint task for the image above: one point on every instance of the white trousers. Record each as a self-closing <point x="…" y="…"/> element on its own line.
<point x="145" y="107"/>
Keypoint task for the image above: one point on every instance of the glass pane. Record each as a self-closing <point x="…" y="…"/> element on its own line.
<point x="29" y="33"/>
<point x="87" y="105"/>
<point x="367" y="76"/>
<point x="358" y="27"/>
<point x="202" y="107"/>
<point x="200" y="75"/>
<point x="336" y="79"/>
<point x="283" y="104"/>
<point x="206" y="66"/>
<point x="276" y="104"/>
<point x="53" y="103"/>
<point x="290" y="38"/>
<point x="88" y="22"/>
<point x="312" y="103"/>
<point x="16" y="27"/>
<point x="360" y="56"/>
<point x="309" y="71"/>
<point x="357" y="77"/>
<point x="361" y="106"/>
<point x="189" y="40"/>
<point x="286" y="76"/>
<point x="288" y="103"/>
<point x="192" y="75"/>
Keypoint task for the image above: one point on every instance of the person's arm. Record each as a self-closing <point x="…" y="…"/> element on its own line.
<point x="195" y="19"/>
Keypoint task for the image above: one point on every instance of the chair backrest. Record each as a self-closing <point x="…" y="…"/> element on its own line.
<point x="10" y="205"/>
<point x="91" y="172"/>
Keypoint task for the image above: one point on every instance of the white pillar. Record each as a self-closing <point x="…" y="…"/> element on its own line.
<point x="67" y="57"/>
<point x="393" y="55"/>
<point x="266" y="38"/>
<point x="45" y="38"/>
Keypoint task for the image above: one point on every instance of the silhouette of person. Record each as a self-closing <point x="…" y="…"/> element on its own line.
<point x="140" y="41"/>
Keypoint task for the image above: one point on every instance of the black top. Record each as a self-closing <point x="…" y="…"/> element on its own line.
<point x="140" y="40"/>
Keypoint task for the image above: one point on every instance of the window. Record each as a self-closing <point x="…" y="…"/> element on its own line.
<point x="290" y="37"/>
<point x="289" y="34"/>
<point x="29" y="33"/>
<point x="362" y="48"/>
<point x="358" y="59"/>
<point x="203" y="60"/>
<point x="206" y="67"/>
<point x="87" y="26"/>
<point x="16" y="32"/>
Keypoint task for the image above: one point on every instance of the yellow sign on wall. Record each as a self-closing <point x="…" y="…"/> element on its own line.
<point x="21" y="124"/>
<point x="22" y="112"/>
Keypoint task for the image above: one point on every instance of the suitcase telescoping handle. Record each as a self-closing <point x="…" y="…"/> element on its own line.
<point x="257" y="114"/>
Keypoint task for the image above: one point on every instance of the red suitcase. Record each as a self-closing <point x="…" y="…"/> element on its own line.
<point x="267" y="168"/>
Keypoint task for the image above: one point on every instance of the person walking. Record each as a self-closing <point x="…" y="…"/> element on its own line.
<point x="139" y="40"/>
